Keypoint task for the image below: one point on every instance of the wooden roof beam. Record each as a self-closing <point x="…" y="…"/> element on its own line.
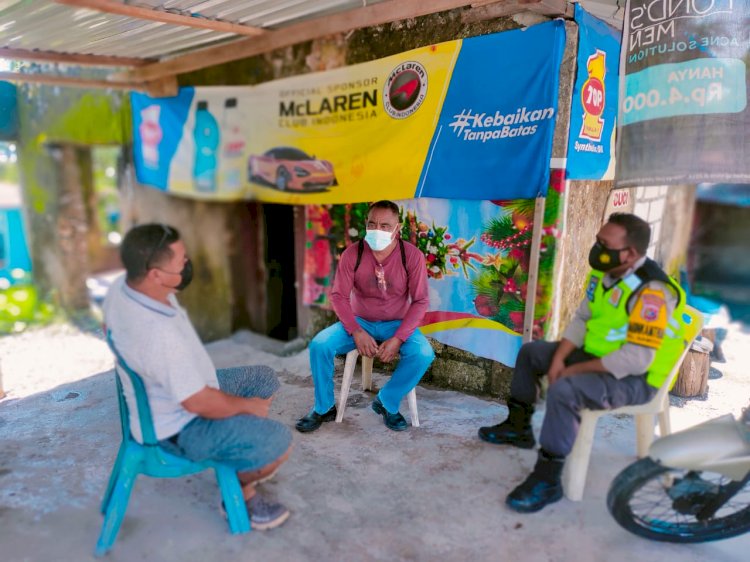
<point x="376" y="14"/>
<point x="57" y="80"/>
<point x="161" y="16"/>
<point x="71" y="58"/>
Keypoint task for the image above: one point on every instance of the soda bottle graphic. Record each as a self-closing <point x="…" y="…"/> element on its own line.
<point x="233" y="147"/>
<point x="206" y="140"/>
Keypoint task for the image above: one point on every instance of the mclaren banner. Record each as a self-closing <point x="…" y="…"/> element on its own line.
<point x="684" y="116"/>
<point x="468" y="119"/>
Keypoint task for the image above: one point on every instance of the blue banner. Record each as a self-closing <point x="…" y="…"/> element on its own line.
<point x="494" y="135"/>
<point x="157" y="130"/>
<point x="14" y="250"/>
<point x="593" y="113"/>
<point x="8" y="112"/>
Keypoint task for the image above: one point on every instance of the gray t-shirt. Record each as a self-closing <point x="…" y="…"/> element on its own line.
<point x="159" y="343"/>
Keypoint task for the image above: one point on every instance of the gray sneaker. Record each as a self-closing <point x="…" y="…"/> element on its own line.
<point x="264" y="514"/>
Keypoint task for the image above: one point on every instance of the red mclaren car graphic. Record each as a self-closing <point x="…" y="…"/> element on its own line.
<point x="289" y="168"/>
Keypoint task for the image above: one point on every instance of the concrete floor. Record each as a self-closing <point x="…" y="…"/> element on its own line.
<point x="357" y="491"/>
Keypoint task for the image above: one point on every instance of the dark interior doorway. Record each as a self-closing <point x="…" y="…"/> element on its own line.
<point x="280" y="279"/>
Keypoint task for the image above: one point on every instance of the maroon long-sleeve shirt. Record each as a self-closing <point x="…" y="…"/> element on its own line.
<point x="358" y="294"/>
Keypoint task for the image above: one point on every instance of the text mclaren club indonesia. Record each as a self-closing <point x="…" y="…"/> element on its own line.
<point x="483" y="127"/>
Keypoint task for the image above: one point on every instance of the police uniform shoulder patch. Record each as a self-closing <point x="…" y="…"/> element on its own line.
<point x="591" y="287"/>
<point x="648" y="319"/>
<point x="651" y="305"/>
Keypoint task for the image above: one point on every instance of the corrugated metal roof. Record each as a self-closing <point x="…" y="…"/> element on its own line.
<point x="169" y="37"/>
<point x="46" y="26"/>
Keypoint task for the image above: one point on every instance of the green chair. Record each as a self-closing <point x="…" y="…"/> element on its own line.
<point x="152" y="460"/>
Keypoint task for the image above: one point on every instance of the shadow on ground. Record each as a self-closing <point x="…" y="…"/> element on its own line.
<point x="357" y="491"/>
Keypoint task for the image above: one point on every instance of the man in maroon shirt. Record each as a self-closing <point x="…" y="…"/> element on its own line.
<point x="380" y="296"/>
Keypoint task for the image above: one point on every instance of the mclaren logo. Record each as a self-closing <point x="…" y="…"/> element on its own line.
<point x="405" y="89"/>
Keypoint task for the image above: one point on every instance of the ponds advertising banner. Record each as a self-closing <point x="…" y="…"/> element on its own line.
<point x="684" y="116"/>
<point x="477" y="255"/>
<point x="593" y="114"/>
<point x="469" y="119"/>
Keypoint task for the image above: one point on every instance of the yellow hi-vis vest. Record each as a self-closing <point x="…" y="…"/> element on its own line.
<point x="611" y="325"/>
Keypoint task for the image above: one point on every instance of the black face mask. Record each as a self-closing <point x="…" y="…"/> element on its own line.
<point x="604" y="259"/>
<point x="186" y="274"/>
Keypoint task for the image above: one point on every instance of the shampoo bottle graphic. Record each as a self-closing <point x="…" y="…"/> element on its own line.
<point x="233" y="147"/>
<point x="206" y="140"/>
<point x="151" y="135"/>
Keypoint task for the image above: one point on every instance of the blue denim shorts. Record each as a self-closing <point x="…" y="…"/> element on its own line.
<point x="243" y="442"/>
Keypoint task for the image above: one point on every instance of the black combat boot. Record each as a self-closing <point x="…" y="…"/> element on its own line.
<point x="516" y="430"/>
<point x="542" y="487"/>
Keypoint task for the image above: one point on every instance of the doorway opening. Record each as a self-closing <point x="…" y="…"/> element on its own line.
<point x="281" y="306"/>
<point x="102" y="199"/>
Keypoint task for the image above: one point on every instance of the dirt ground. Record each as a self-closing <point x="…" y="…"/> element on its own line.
<point x="357" y="491"/>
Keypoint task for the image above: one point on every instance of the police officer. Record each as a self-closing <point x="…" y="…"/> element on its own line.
<point x="619" y="348"/>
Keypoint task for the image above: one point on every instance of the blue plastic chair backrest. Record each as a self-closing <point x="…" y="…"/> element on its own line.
<point x="144" y="410"/>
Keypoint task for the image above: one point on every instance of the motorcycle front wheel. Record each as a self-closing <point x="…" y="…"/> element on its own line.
<point x="661" y="503"/>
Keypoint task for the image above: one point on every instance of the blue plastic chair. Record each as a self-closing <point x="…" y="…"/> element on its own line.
<point x="150" y="459"/>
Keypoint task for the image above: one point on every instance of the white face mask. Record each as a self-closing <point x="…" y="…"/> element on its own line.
<point x="378" y="239"/>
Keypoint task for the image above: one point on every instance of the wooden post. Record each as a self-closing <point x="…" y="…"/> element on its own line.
<point x="693" y="378"/>
<point x="94" y="233"/>
<point x="165" y="87"/>
<point x="533" y="280"/>
<point x="72" y="227"/>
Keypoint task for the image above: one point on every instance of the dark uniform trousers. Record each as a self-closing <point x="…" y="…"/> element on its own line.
<point x="569" y="395"/>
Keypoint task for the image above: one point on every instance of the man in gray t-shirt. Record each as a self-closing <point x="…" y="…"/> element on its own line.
<point x="198" y="412"/>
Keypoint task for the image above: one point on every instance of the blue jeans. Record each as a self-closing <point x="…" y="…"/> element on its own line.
<point x="243" y="442"/>
<point x="416" y="355"/>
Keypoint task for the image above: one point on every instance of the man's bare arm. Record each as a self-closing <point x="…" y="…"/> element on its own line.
<point x="214" y="404"/>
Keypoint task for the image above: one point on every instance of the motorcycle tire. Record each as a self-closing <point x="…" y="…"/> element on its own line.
<point x="629" y="504"/>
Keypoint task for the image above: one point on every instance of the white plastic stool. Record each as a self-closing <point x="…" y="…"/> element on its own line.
<point x="577" y="464"/>
<point x="351" y="362"/>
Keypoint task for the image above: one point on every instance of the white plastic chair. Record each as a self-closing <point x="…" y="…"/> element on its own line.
<point x="346" y="383"/>
<point x="577" y="465"/>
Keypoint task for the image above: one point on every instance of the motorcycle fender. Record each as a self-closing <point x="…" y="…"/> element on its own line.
<point x="720" y="445"/>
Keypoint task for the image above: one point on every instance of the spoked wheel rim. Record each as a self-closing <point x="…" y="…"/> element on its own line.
<point x="668" y="504"/>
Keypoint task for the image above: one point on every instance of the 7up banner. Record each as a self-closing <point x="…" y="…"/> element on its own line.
<point x="593" y="113"/>
<point x="683" y="105"/>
